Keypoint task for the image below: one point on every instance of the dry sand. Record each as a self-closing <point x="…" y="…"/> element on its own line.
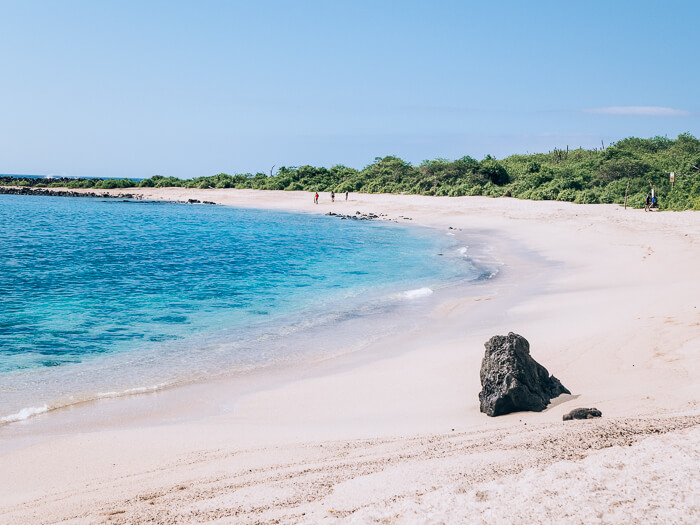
<point x="610" y="302"/>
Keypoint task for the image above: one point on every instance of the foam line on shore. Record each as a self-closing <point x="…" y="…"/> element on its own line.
<point x="24" y="413"/>
<point x="417" y="293"/>
<point x="132" y="391"/>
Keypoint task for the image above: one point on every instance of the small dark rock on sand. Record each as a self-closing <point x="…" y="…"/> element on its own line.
<point x="358" y="216"/>
<point x="512" y="380"/>
<point x="582" y="413"/>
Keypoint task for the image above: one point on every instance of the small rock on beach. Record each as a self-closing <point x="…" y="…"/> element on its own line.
<point x="582" y="413"/>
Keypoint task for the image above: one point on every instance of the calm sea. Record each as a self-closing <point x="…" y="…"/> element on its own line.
<point x="100" y="298"/>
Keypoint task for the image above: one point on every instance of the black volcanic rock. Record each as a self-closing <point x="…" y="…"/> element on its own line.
<point x="582" y="413"/>
<point x="512" y="381"/>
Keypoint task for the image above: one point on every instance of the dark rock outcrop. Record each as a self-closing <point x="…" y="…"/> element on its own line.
<point x="53" y="192"/>
<point x="512" y="381"/>
<point x="24" y="190"/>
<point x="582" y="413"/>
<point x="358" y="216"/>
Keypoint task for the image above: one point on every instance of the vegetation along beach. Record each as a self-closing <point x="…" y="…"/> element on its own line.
<point x="233" y="289"/>
<point x="622" y="172"/>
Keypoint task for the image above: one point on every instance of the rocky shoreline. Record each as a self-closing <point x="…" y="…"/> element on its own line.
<point x="48" y="192"/>
<point x="125" y="196"/>
<point x="370" y="216"/>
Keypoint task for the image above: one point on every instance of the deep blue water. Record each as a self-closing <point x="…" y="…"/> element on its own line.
<point x="104" y="296"/>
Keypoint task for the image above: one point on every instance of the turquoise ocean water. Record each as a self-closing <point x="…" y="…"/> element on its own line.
<point x="100" y="298"/>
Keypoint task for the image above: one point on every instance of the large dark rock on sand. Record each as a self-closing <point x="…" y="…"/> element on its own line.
<point x="582" y="413"/>
<point x="512" y="381"/>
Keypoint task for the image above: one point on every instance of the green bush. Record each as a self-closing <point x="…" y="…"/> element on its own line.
<point x="586" y="197"/>
<point x="567" y="195"/>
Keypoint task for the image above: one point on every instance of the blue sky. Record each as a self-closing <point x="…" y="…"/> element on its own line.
<point x="186" y="89"/>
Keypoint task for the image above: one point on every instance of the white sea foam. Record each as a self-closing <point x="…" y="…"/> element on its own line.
<point x="415" y="294"/>
<point x="130" y="391"/>
<point x="462" y="250"/>
<point x="23" y="414"/>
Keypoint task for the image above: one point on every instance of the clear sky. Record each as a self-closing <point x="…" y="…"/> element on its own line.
<point x="137" y="88"/>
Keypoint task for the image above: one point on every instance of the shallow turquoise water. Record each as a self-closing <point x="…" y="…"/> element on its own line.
<point x="105" y="296"/>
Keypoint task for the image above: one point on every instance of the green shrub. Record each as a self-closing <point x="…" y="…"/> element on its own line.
<point x="586" y="197"/>
<point x="568" y="195"/>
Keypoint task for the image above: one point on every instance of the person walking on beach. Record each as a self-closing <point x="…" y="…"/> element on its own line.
<point x="647" y="202"/>
<point x="332" y="196"/>
<point x="346" y="194"/>
<point x="316" y="198"/>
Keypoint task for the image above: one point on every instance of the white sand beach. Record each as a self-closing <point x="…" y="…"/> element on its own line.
<point x="609" y="300"/>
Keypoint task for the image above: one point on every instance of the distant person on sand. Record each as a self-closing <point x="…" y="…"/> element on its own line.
<point x="647" y="202"/>
<point x="346" y="195"/>
<point x="332" y="196"/>
<point x="316" y="198"/>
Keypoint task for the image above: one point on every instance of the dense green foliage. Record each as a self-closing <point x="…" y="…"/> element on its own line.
<point x="582" y="176"/>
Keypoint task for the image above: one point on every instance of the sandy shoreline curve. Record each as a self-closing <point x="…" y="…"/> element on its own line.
<point x="610" y="302"/>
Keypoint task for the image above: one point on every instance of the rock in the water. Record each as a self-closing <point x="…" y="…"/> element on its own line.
<point x="582" y="413"/>
<point x="512" y="381"/>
